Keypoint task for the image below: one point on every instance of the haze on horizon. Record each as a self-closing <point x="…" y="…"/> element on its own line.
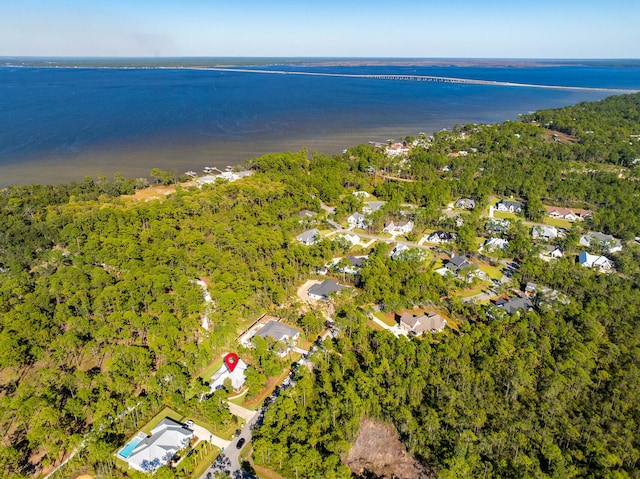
<point x="331" y="28"/>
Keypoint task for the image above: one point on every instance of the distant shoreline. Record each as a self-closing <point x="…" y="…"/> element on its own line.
<point x="187" y="62"/>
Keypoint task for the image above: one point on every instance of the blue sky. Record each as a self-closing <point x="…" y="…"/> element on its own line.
<point x="403" y="28"/>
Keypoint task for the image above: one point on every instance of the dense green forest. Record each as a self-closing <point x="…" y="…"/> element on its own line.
<point x="100" y="312"/>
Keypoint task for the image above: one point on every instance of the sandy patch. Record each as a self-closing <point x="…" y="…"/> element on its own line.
<point x="378" y="452"/>
<point x="303" y="291"/>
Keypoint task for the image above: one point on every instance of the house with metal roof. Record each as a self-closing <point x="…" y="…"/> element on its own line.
<point x="309" y="237"/>
<point x="323" y="290"/>
<point x="156" y="450"/>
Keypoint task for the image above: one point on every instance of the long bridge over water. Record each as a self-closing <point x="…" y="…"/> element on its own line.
<point x="422" y="78"/>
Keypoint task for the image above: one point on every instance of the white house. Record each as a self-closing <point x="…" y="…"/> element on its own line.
<point x="509" y="206"/>
<point x="493" y="244"/>
<point x="550" y="252"/>
<point x="607" y="242"/>
<point x="233" y="368"/>
<point x="372" y="206"/>
<point x="354" y="240"/>
<point x="279" y="332"/>
<point x="466" y="203"/>
<point x="357" y="220"/>
<point x="398" y="250"/>
<point x="156" y="450"/>
<point x="323" y="290"/>
<point x="309" y="237"/>
<point x="544" y="232"/>
<point x="399" y="227"/>
<point x="593" y="261"/>
<point x="441" y="237"/>
<point x="361" y="194"/>
<point x="397" y="149"/>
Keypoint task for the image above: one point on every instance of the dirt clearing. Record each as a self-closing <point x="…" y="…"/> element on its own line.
<point x="378" y="453"/>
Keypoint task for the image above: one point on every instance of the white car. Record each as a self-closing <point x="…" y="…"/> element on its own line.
<point x="188" y="424"/>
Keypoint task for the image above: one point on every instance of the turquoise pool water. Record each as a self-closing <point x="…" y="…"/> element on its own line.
<point x="126" y="451"/>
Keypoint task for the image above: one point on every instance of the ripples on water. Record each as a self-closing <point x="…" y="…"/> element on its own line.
<point x="60" y="124"/>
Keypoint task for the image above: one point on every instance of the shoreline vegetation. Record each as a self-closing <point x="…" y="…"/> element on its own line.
<point x="100" y="313"/>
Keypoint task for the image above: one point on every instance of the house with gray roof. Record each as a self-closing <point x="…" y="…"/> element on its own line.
<point x="309" y="237"/>
<point x="544" y="232"/>
<point x="323" y="290"/>
<point x="372" y="206"/>
<point x="156" y="450"/>
<point x="307" y="214"/>
<point x="357" y="220"/>
<point x="441" y="237"/>
<point x="513" y="305"/>
<point x="509" y="206"/>
<point x="457" y="264"/>
<point x="278" y="331"/>
<point x="466" y="203"/>
<point x="605" y="242"/>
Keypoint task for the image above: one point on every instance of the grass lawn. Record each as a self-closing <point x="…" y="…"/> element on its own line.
<point x="212" y="368"/>
<point x="196" y="466"/>
<point x="466" y="293"/>
<point x="494" y="272"/>
<point x="374" y="325"/>
<point x="166" y="412"/>
<point x="557" y="222"/>
<point x="505" y="215"/>
<point x="260" y="471"/>
<point x="384" y="318"/>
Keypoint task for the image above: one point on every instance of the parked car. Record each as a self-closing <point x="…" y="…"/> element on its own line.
<point x="241" y="443"/>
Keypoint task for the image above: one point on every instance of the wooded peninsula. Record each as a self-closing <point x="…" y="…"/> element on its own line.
<point x="104" y="325"/>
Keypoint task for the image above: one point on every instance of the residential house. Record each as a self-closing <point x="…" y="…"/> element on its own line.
<point x="372" y="206"/>
<point x="544" y="232"/>
<point x="398" y="250"/>
<point x="568" y="213"/>
<point x="466" y="203"/>
<point x="281" y="333"/>
<point x="354" y="240"/>
<point x="509" y="206"/>
<point x="399" y="227"/>
<point x="513" y="305"/>
<point x="323" y="290"/>
<point x="496" y="226"/>
<point x="457" y="264"/>
<point x="550" y="252"/>
<point x="397" y="149"/>
<point x="361" y="194"/>
<point x="309" y="237"/>
<point x="355" y="263"/>
<point x="600" y="240"/>
<point x="156" y="450"/>
<point x="441" y="237"/>
<point x="357" y="220"/>
<point x="594" y="261"/>
<point x="306" y="214"/>
<point x="232" y="176"/>
<point x="422" y="323"/>
<point x="493" y="244"/>
<point x="233" y="368"/>
<point x="206" y="180"/>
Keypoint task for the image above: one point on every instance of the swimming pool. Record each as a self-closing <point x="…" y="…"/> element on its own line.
<point x="126" y="451"/>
